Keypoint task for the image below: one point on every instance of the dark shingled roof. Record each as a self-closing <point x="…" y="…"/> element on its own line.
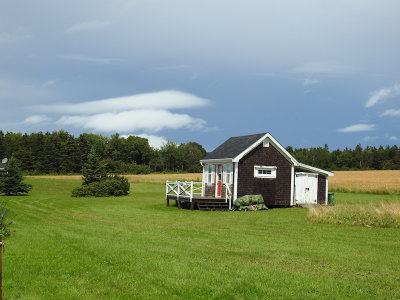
<point x="234" y="146"/>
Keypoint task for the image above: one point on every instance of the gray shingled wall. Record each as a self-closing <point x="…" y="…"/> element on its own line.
<point x="275" y="191"/>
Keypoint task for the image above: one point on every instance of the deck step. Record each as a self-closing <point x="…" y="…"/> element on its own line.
<point x="212" y="206"/>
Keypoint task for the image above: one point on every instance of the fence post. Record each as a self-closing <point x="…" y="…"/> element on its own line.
<point x="191" y="191"/>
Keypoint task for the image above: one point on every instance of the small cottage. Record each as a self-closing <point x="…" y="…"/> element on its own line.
<point x="253" y="164"/>
<point x="258" y="164"/>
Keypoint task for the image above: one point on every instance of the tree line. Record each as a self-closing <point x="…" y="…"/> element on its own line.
<point x="359" y="158"/>
<point x="59" y="152"/>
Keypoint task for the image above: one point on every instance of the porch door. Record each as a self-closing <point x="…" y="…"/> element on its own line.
<point x="219" y="180"/>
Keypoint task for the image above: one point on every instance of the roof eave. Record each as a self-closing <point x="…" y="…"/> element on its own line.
<point x="314" y="169"/>
<point x="215" y="160"/>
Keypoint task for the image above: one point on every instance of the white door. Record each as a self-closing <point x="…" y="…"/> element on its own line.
<point x="306" y="188"/>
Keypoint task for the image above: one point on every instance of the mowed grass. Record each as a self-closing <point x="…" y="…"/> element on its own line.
<point x="135" y="247"/>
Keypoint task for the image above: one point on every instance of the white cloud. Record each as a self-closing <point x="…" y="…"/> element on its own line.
<point x="324" y="68"/>
<point x="15" y="36"/>
<point x="391" y="113"/>
<point x="172" y="67"/>
<point x="369" y="138"/>
<point x="97" y="60"/>
<point x="35" y="119"/>
<point x="310" y="81"/>
<point x="150" y="120"/>
<point x="357" y="128"/>
<point x="49" y="83"/>
<point x="146" y="113"/>
<point x="155" y="141"/>
<point x="89" y="25"/>
<point x="393" y="138"/>
<point x="382" y="94"/>
<point x="157" y="100"/>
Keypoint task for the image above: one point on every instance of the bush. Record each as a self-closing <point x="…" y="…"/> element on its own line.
<point x="250" y="202"/>
<point x="110" y="186"/>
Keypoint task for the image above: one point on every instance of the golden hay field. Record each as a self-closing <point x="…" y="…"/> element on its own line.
<point x="378" y="181"/>
<point x="148" y="178"/>
<point x="381" y="182"/>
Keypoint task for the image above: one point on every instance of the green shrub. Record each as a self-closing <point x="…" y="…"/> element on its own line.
<point x="250" y="202"/>
<point x="110" y="186"/>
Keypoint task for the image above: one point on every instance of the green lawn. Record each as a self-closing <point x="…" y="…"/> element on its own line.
<point x="135" y="247"/>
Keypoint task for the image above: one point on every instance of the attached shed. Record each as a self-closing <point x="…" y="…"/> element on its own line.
<point x="258" y="164"/>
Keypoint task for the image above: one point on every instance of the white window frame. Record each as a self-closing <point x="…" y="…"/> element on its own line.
<point x="210" y="175"/>
<point x="228" y="174"/>
<point x="267" y="171"/>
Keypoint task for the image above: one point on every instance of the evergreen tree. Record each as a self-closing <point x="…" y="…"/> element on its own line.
<point x="92" y="170"/>
<point x="97" y="183"/>
<point x="11" y="182"/>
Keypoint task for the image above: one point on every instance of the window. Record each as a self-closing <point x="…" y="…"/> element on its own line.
<point x="210" y="174"/>
<point x="264" y="171"/>
<point x="228" y="173"/>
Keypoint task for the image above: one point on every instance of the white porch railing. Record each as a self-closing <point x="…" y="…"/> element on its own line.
<point x="186" y="189"/>
<point x="228" y="195"/>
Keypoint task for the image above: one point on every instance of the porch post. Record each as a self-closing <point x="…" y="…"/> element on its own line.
<point x="235" y="184"/>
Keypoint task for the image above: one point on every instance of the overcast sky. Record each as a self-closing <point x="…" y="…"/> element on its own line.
<point x="309" y="72"/>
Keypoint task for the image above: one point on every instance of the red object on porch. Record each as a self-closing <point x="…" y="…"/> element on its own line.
<point x="219" y="178"/>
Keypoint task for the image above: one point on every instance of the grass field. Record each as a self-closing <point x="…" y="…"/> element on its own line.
<point x="134" y="247"/>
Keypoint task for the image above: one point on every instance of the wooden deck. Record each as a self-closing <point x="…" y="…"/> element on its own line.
<point x="191" y="193"/>
<point x="200" y="202"/>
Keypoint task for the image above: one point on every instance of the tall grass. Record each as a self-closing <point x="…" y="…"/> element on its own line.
<point x="384" y="214"/>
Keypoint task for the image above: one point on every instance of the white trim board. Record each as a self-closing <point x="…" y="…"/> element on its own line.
<point x="216" y="161"/>
<point x="235" y="180"/>
<point x="292" y="178"/>
<point x="326" y="190"/>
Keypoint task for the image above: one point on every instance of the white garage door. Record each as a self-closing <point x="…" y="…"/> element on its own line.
<point x="306" y="188"/>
